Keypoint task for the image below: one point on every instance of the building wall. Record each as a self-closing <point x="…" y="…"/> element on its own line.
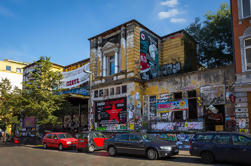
<point x="239" y="26"/>
<point x="241" y="31"/>
<point x="14" y="77"/>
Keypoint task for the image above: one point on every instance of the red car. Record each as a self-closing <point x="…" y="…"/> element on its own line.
<point x="59" y="140"/>
<point x="90" y="141"/>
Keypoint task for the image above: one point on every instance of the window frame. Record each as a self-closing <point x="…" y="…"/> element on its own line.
<point x="7" y="66"/>
<point x="245" y="55"/>
<point x="18" y="68"/>
<point x="242" y="11"/>
<point x="110" y="59"/>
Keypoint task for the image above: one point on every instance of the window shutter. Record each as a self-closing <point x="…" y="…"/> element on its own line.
<point x="239" y="9"/>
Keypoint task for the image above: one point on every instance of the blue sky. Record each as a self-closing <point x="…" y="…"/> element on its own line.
<point x="60" y="28"/>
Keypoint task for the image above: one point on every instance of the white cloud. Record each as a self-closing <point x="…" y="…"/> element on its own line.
<point x="168" y="14"/>
<point x="6" y="12"/>
<point x="178" y="20"/>
<point x="170" y="3"/>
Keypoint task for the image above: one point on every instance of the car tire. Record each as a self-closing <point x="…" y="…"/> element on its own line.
<point x="112" y="151"/>
<point x="91" y="148"/>
<point x="152" y="154"/>
<point x="60" y="147"/>
<point x="207" y="157"/>
<point x="77" y="150"/>
<point x="44" y="145"/>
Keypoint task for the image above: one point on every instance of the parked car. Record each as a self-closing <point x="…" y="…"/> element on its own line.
<point x="90" y="141"/>
<point x="59" y="140"/>
<point x="221" y="146"/>
<point x="140" y="144"/>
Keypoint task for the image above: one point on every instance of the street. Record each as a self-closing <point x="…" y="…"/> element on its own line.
<point x="12" y="155"/>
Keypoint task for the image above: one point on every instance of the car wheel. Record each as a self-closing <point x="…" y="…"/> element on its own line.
<point x="60" y="147"/>
<point x="44" y="146"/>
<point x="207" y="157"/>
<point x="152" y="154"/>
<point x="112" y="151"/>
<point x="91" y="148"/>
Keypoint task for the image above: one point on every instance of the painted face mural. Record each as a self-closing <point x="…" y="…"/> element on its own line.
<point x="111" y="111"/>
<point x="149" y="56"/>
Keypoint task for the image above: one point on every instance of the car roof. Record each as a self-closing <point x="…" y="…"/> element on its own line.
<point x="58" y="133"/>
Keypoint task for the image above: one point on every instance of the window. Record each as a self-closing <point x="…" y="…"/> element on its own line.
<point x="49" y="136"/>
<point x="18" y="70"/>
<point x="178" y="115"/>
<point x="8" y="68"/>
<point x="135" y="138"/>
<point x="118" y="90"/>
<point x="124" y="137"/>
<point x="55" y="136"/>
<point x="124" y="89"/>
<point x="84" y="136"/>
<point x="96" y="93"/>
<point x="247" y="52"/>
<point x="111" y="65"/>
<point x="178" y="95"/>
<point x="192" y="104"/>
<point x="112" y="91"/>
<point x="101" y="93"/>
<point x="106" y="92"/>
<point x="241" y="140"/>
<point x="222" y="139"/>
<point x="204" y="138"/>
<point x="245" y="7"/>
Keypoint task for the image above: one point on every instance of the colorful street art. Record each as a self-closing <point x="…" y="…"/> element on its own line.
<point x="111" y="112"/>
<point x="177" y="126"/>
<point x="149" y="55"/>
<point x="179" y="105"/>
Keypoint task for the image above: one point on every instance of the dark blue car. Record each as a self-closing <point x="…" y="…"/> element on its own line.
<point x="221" y="146"/>
<point x="140" y="144"/>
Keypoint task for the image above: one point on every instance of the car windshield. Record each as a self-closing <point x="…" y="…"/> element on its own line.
<point x="147" y="137"/>
<point x="62" y="136"/>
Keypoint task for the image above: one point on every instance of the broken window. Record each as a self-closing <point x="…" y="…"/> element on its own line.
<point x="192" y="105"/>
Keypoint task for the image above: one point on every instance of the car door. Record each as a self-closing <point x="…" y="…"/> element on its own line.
<point x="136" y="144"/>
<point x="54" y="141"/>
<point x="121" y="143"/>
<point x="241" y="148"/>
<point x="83" y="140"/>
<point x="222" y="146"/>
<point x="48" y="140"/>
<point x="98" y="139"/>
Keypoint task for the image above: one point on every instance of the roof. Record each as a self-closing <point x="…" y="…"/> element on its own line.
<point x="135" y="21"/>
<point x="119" y="27"/>
<point x="82" y="61"/>
<point x="38" y="60"/>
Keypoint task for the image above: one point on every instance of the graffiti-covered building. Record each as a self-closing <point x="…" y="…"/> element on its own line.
<point x="140" y="80"/>
<point x="241" y="16"/>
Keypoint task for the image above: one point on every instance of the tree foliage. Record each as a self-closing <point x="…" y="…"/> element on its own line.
<point x="40" y="97"/>
<point x="214" y="38"/>
<point x="10" y="103"/>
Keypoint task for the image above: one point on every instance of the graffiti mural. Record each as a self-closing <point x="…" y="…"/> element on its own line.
<point x="178" y="126"/>
<point x="111" y="112"/>
<point x="170" y="69"/>
<point x="149" y="56"/>
<point x="213" y="95"/>
<point x="179" y="105"/>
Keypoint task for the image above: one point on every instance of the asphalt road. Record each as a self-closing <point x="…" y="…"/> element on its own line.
<point x="12" y="155"/>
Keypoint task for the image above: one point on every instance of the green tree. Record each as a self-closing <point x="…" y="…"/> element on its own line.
<point x="214" y="38"/>
<point x="40" y="92"/>
<point x="10" y="102"/>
